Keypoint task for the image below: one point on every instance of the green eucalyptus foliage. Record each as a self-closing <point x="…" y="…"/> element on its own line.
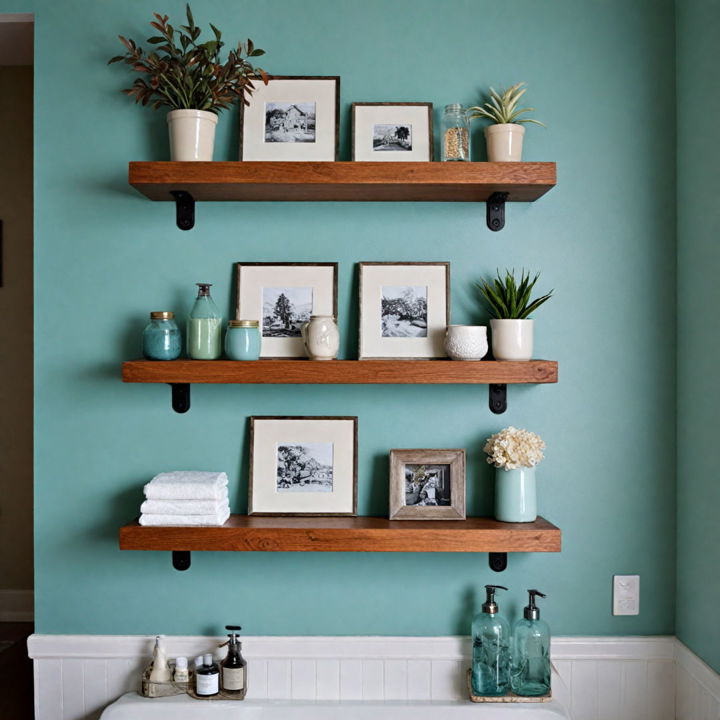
<point x="509" y="299"/>
<point x="502" y="107"/>
<point x="185" y="74"/>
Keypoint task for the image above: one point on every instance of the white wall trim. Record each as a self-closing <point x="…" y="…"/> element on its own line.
<point x="700" y="672"/>
<point x="17" y="605"/>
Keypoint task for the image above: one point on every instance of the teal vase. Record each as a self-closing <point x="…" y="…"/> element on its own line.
<point x="515" y="495"/>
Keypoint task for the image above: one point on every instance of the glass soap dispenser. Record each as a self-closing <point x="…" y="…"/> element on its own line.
<point x="491" y="648"/>
<point x="233" y="669"/>
<point x="531" y="652"/>
<point x="204" y="328"/>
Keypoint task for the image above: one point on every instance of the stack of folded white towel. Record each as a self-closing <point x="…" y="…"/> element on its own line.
<point x="186" y="498"/>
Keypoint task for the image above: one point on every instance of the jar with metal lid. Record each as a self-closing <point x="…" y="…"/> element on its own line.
<point x="455" y="134"/>
<point x="242" y="340"/>
<point x="161" y="337"/>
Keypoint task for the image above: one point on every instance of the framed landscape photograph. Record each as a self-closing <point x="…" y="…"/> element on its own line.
<point x="303" y="466"/>
<point x="404" y="309"/>
<point x="291" y="118"/>
<point x="427" y="484"/>
<point x="283" y="296"/>
<point x="392" y="132"/>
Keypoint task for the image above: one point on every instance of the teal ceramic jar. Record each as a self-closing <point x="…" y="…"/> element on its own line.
<point x="242" y="340"/>
<point x="515" y="495"/>
<point x="161" y="337"/>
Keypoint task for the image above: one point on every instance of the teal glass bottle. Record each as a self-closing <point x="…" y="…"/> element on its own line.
<point x="161" y="337"/>
<point x="204" y="328"/>
<point x="530" y="675"/>
<point x="491" y="649"/>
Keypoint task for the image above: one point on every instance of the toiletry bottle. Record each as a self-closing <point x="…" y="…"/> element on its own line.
<point x="182" y="674"/>
<point x="204" y="328"/>
<point x="531" y="652"/>
<point x="233" y="678"/>
<point x="491" y="648"/>
<point x="207" y="677"/>
<point x="160" y="672"/>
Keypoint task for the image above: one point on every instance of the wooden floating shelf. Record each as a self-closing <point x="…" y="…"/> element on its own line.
<point x="339" y="372"/>
<point x="343" y="181"/>
<point x="243" y="533"/>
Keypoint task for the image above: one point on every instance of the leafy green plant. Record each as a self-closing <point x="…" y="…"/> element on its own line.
<point x="186" y="74"/>
<point x="502" y="108"/>
<point x="509" y="299"/>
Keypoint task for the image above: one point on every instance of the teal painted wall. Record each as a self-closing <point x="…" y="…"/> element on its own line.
<point x="604" y="239"/>
<point x="698" y="573"/>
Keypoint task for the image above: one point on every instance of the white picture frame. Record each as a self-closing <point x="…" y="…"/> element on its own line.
<point x="392" y="132"/>
<point x="303" y="466"/>
<point x="292" y="118"/>
<point x="258" y="284"/>
<point x="393" y="323"/>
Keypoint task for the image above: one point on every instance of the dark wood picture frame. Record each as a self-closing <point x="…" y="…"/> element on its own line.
<point x="431" y="137"/>
<point x="335" y="78"/>
<point x="455" y="458"/>
<point x="251" y="481"/>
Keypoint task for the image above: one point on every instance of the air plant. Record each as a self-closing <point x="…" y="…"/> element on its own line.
<point x="509" y="299"/>
<point x="501" y="107"/>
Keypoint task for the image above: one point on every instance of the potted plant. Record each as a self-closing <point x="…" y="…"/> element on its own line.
<point x="511" y="304"/>
<point x="188" y="76"/>
<point x="504" y="137"/>
<point x="515" y="453"/>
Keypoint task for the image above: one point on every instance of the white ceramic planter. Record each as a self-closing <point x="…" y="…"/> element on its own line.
<point x="321" y="337"/>
<point x="504" y="142"/>
<point x="466" y="342"/>
<point x="512" y="339"/>
<point x="192" y="134"/>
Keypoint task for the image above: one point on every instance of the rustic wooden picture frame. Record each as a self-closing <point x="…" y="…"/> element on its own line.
<point x="253" y="480"/>
<point x="455" y="458"/>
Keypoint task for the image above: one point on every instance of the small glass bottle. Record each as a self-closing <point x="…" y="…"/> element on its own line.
<point x="455" y="134"/>
<point x="234" y="667"/>
<point x="181" y="675"/>
<point x="242" y="340"/>
<point x="161" y="337"/>
<point x="207" y="677"/>
<point x="204" y="331"/>
<point x="531" y="652"/>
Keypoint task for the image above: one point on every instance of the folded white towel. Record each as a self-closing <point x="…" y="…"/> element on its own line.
<point x="182" y="520"/>
<point x="185" y="507"/>
<point x="187" y="485"/>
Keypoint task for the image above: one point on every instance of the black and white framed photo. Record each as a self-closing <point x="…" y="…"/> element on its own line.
<point x="303" y="466"/>
<point x="427" y="484"/>
<point x="291" y="118"/>
<point x="392" y="132"/>
<point x="283" y="296"/>
<point x="404" y="309"/>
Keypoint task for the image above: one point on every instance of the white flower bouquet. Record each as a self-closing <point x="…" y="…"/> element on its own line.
<point x="512" y="448"/>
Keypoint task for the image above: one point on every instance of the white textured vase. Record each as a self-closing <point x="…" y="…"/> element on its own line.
<point x="321" y="337"/>
<point x="466" y="342"/>
<point x="504" y="142"/>
<point x="512" y="339"/>
<point x="192" y="134"/>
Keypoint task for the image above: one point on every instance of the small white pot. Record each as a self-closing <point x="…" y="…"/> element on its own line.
<point x="504" y="142"/>
<point x="192" y="134"/>
<point x="512" y="339"/>
<point x="321" y="337"/>
<point x="466" y="342"/>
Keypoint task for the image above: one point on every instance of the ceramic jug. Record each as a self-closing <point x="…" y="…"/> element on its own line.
<point x="321" y="337"/>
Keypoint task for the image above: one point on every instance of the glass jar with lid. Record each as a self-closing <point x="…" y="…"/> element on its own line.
<point x="242" y="340"/>
<point x="455" y="134"/>
<point x="161" y="337"/>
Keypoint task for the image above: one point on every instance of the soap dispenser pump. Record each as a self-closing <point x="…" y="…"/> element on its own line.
<point x="531" y="652"/>
<point x="491" y="648"/>
<point x="234" y="666"/>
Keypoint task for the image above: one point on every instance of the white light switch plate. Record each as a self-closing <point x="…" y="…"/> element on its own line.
<point x="626" y="594"/>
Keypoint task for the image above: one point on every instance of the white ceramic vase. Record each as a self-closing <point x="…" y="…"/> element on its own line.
<point x="512" y="339"/>
<point x="321" y="337"/>
<point x="192" y="134"/>
<point x="466" y="342"/>
<point x="504" y="142"/>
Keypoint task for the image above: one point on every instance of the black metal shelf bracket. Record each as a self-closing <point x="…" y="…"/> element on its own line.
<point x="496" y="210"/>
<point x="497" y="561"/>
<point x="180" y="397"/>
<point x="184" y="209"/>
<point x="497" y="395"/>
<point x="181" y="559"/>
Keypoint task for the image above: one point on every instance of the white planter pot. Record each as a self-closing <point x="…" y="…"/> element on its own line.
<point x="192" y="134"/>
<point x="504" y="142"/>
<point x="466" y="342"/>
<point x="512" y="339"/>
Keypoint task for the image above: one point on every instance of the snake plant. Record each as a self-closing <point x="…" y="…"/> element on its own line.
<point x="509" y="299"/>
<point x="502" y="107"/>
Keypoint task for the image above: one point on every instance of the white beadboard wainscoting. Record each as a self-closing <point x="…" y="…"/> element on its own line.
<point x="599" y="678"/>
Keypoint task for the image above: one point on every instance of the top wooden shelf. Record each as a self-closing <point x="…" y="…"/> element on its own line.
<point x="343" y="181"/>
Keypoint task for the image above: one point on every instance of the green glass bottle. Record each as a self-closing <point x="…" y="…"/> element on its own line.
<point x="204" y="327"/>
<point x="491" y="648"/>
<point x="531" y="652"/>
